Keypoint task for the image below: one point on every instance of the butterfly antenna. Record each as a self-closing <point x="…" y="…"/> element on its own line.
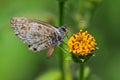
<point x="68" y="33"/>
<point x="64" y="42"/>
<point x="64" y="50"/>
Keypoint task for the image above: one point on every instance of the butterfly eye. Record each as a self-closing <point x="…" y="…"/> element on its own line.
<point x="64" y="28"/>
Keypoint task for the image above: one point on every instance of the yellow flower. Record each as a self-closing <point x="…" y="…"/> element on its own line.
<point x="81" y="43"/>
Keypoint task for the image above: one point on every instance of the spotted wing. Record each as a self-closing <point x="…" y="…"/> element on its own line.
<point x="36" y="34"/>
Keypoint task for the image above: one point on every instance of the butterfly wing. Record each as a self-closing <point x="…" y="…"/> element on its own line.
<point x="36" y="34"/>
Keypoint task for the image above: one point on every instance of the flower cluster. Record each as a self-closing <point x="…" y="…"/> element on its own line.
<point x="81" y="43"/>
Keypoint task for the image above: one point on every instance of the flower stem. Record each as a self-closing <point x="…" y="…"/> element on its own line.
<point x="81" y="71"/>
<point x="61" y="16"/>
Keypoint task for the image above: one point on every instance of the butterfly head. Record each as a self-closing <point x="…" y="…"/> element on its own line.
<point x="62" y="31"/>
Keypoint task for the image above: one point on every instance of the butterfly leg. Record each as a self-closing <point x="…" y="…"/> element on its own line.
<point x="50" y="51"/>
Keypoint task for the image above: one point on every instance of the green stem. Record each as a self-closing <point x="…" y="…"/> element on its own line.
<point x="62" y="65"/>
<point x="81" y="71"/>
<point x="61" y="10"/>
<point x="61" y="16"/>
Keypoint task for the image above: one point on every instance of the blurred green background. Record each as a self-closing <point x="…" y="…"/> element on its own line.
<point x="18" y="63"/>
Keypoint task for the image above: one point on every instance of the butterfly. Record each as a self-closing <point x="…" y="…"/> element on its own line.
<point x="38" y="35"/>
